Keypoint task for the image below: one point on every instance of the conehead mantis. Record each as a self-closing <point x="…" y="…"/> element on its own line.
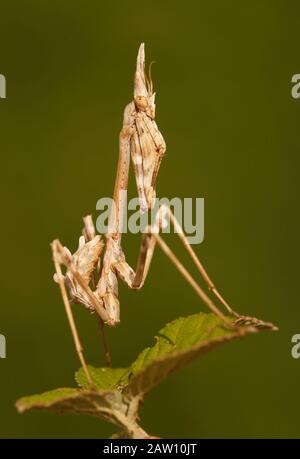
<point x="93" y="271"/>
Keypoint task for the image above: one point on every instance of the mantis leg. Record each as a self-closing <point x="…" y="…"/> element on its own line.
<point x="77" y="342"/>
<point x="107" y="288"/>
<point x="121" y="182"/>
<point x="170" y="254"/>
<point x="89" y="233"/>
<point x="197" y="262"/>
<point x="240" y="320"/>
<point x="147" y="247"/>
<point x="149" y="240"/>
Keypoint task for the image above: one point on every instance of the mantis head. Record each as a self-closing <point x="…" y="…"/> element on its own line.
<point x="144" y="97"/>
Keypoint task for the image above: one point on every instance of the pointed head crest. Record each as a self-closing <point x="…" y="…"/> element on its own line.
<point x="143" y="86"/>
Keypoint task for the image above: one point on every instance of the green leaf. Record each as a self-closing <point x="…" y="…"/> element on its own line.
<point x="177" y="344"/>
<point x="45" y="400"/>
<point x="103" y="378"/>
<point x="119" y="391"/>
<point x="97" y="403"/>
<point x="108" y="405"/>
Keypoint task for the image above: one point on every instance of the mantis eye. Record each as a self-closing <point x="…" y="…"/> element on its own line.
<point x="141" y="102"/>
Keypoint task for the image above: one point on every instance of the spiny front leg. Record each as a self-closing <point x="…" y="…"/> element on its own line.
<point x="80" y="267"/>
<point x="107" y="289"/>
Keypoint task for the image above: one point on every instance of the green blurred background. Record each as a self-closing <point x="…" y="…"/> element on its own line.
<point x="222" y="75"/>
